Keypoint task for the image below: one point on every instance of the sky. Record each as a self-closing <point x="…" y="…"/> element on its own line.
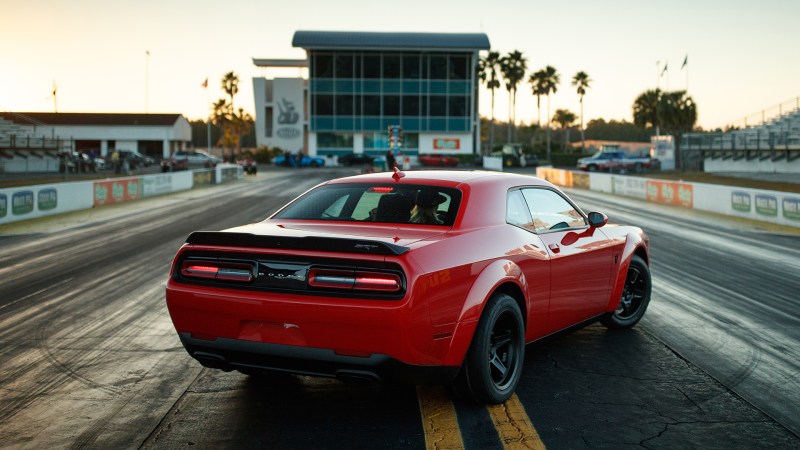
<point x="742" y="55"/>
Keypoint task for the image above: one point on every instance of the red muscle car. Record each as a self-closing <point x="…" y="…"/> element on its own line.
<point x="438" y="160"/>
<point x="424" y="277"/>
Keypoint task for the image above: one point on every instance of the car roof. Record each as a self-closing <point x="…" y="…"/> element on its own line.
<point x="444" y="178"/>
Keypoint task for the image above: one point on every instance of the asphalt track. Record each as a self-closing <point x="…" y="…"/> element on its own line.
<point x="89" y="358"/>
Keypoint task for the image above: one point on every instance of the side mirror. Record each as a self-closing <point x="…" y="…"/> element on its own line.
<point x="597" y="219"/>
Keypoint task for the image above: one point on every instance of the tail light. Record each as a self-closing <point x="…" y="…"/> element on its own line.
<point x="354" y="280"/>
<point x="218" y="270"/>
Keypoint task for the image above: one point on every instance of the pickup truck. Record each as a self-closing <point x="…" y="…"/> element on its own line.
<point x="616" y="160"/>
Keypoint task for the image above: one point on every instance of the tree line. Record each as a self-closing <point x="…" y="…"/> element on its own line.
<point x="654" y="110"/>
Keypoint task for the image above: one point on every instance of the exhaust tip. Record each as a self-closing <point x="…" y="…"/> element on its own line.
<point x="212" y="361"/>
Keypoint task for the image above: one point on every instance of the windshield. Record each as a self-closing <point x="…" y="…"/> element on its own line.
<point x="411" y="204"/>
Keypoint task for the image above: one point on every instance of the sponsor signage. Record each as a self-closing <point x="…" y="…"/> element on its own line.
<point x="22" y="202"/>
<point x="3" y="205"/>
<point x="202" y="177"/>
<point x="47" y="199"/>
<point x="791" y="208"/>
<point x="741" y="201"/>
<point x="156" y="185"/>
<point x="229" y="173"/>
<point x="670" y="193"/>
<point x="629" y="187"/>
<point x="446" y="144"/>
<point x="117" y="191"/>
<point x="766" y="205"/>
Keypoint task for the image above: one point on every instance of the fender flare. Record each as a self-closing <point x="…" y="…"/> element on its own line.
<point x="491" y="277"/>
<point x="633" y="243"/>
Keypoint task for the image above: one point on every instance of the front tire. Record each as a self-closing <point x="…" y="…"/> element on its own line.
<point x="493" y="365"/>
<point x="635" y="297"/>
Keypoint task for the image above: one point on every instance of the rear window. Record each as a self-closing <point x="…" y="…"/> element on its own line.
<point x="415" y="204"/>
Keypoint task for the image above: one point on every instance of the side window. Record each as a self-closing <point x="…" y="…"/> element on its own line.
<point x="517" y="212"/>
<point x="550" y="211"/>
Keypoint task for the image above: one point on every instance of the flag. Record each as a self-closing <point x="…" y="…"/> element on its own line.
<point x="685" y="61"/>
<point x="205" y="84"/>
<point x="665" y="69"/>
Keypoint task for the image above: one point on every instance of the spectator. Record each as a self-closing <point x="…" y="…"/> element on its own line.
<point x="390" y="161"/>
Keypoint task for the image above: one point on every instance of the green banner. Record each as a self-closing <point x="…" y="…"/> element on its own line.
<point x="791" y="208"/>
<point x="766" y="205"/>
<point x="740" y="201"/>
<point x="47" y="199"/>
<point x="3" y="205"/>
<point x="22" y="203"/>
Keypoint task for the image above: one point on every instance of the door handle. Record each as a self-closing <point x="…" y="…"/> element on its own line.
<point x="554" y="248"/>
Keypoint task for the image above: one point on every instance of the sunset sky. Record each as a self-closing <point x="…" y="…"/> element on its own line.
<point x="742" y="55"/>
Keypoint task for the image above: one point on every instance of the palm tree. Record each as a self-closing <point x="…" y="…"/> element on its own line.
<point x="536" y="80"/>
<point x="551" y="79"/>
<point x="581" y="81"/>
<point x="513" y="67"/>
<point x="675" y="112"/>
<point x="489" y="72"/>
<point x="566" y="119"/>
<point x="646" y="109"/>
<point x="230" y="84"/>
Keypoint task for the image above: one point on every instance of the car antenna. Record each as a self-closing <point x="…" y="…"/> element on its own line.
<point x="397" y="174"/>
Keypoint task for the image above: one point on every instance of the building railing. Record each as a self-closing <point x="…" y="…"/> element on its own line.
<point x="768" y="114"/>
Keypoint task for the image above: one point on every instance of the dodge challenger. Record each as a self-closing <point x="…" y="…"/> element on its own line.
<point x="426" y="277"/>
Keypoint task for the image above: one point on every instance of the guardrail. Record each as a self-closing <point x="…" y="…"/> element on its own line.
<point x="30" y="202"/>
<point x="782" y="208"/>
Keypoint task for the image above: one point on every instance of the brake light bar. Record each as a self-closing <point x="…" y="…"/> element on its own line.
<point x="218" y="270"/>
<point x="352" y="280"/>
<point x="380" y="189"/>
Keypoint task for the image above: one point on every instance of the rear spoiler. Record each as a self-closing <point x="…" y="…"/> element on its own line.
<point x="296" y="243"/>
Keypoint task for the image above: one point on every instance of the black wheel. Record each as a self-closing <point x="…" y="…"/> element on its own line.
<point x="314" y="164"/>
<point x="592" y="168"/>
<point x="637" y="168"/>
<point x="493" y="364"/>
<point x="635" y="297"/>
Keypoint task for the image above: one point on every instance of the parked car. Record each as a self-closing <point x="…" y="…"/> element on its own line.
<point x="305" y="161"/>
<point x="198" y="158"/>
<point x="356" y="159"/>
<point x="136" y="159"/>
<point x="419" y="276"/>
<point x="438" y="160"/>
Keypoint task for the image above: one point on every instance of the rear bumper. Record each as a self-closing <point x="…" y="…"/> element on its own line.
<point x="235" y="354"/>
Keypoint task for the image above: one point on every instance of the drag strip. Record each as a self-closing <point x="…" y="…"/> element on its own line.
<point x="89" y="357"/>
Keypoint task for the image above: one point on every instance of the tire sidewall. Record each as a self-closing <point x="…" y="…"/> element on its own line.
<point x="476" y="365"/>
<point x="612" y="321"/>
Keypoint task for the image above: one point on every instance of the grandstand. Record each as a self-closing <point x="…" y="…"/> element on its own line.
<point x="23" y="150"/>
<point x="35" y="141"/>
<point x="772" y="146"/>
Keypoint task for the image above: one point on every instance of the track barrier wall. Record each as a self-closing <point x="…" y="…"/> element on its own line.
<point x="30" y="202"/>
<point x="782" y="208"/>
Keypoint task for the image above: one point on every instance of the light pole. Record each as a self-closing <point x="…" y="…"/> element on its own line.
<point x="147" y="82"/>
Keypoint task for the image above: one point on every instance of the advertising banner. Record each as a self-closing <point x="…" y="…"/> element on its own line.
<point x="671" y="193"/>
<point x="3" y="205"/>
<point x="202" y="177"/>
<point x="629" y="187"/>
<point x="767" y="205"/>
<point x="117" y="191"/>
<point x="741" y="201"/>
<point x="22" y="203"/>
<point x="791" y="208"/>
<point x="156" y="185"/>
<point x="446" y="144"/>
<point x="47" y="199"/>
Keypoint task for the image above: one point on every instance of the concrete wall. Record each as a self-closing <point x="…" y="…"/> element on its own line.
<point x="782" y="208"/>
<point x="30" y="202"/>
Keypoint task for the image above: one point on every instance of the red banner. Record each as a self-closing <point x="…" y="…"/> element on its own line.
<point x="117" y="191"/>
<point x="671" y="193"/>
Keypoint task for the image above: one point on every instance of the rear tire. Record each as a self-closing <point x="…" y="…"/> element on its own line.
<point x="635" y="297"/>
<point x="493" y="364"/>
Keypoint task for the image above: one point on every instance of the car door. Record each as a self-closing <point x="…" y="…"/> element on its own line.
<point x="580" y="258"/>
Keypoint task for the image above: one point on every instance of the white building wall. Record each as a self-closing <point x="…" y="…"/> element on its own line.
<point x="288" y="112"/>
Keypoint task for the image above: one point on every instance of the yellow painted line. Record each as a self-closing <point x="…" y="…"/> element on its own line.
<point x="513" y="426"/>
<point x="439" y="419"/>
